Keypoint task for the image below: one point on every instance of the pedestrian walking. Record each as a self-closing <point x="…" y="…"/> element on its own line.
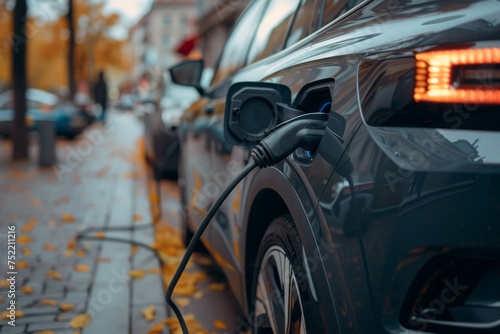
<point x="101" y="94"/>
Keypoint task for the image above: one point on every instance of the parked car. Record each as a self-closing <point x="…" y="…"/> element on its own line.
<point x="409" y="239"/>
<point x="69" y="120"/>
<point x="161" y="126"/>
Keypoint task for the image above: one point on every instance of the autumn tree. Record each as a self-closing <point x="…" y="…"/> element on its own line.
<point x="19" y="42"/>
<point x="71" y="50"/>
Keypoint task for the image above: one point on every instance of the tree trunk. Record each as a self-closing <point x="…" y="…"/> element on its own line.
<point x="19" y="42"/>
<point x="71" y="53"/>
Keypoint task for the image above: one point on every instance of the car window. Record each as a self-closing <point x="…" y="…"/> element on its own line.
<point x="305" y="22"/>
<point x="235" y="51"/>
<point x="335" y="8"/>
<point x="273" y="29"/>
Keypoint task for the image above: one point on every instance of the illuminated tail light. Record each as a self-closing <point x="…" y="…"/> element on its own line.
<point x="458" y="76"/>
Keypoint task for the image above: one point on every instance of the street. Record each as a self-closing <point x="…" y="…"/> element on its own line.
<point x="101" y="181"/>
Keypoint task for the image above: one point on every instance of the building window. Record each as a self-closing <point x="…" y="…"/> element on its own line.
<point x="166" y="41"/>
<point x="167" y="21"/>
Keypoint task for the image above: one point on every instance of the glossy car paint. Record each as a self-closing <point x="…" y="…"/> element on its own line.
<point x="421" y="192"/>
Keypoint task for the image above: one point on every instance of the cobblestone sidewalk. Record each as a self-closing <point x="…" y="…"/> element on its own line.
<point x="99" y="182"/>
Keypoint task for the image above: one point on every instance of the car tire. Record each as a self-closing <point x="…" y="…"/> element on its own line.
<point x="281" y="244"/>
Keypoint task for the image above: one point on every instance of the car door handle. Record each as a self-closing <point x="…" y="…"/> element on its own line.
<point x="209" y="108"/>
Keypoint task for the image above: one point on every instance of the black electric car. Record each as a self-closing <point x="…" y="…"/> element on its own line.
<point x="392" y="225"/>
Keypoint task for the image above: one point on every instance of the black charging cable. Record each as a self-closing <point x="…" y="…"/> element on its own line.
<point x="303" y="131"/>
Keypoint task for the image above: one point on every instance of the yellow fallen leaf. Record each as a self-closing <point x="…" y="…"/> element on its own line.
<point x="217" y="286"/>
<point x="137" y="218"/>
<point x="76" y="332"/>
<point x="46" y="332"/>
<point x="137" y="273"/>
<point x="103" y="259"/>
<point x="22" y="265"/>
<point x="80" y="252"/>
<point x="68" y="252"/>
<point x="71" y="244"/>
<point x="2" y="298"/>
<point x="156" y="328"/>
<point x="81" y="268"/>
<point x="182" y="301"/>
<point x="26" y="289"/>
<point x="52" y="222"/>
<point x="48" y="302"/>
<point x="219" y="324"/>
<point x="4" y="283"/>
<point x="100" y="235"/>
<point x="26" y="251"/>
<point x="154" y="271"/>
<point x="54" y="274"/>
<point x="135" y="248"/>
<point x="149" y="313"/>
<point x="67" y="217"/>
<point x="5" y="314"/>
<point x="204" y="261"/>
<point x="80" y="321"/>
<point x="36" y="202"/>
<point x="49" y="247"/>
<point x="24" y="239"/>
<point x="198" y="295"/>
<point x="66" y="306"/>
<point x="185" y="290"/>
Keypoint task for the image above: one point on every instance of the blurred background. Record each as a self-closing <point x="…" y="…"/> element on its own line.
<point x="61" y="47"/>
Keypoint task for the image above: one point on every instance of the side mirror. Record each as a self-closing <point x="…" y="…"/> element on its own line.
<point x="188" y="73"/>
<point x="252" y="110"/>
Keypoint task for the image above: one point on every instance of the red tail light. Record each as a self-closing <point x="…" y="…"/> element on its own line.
<point x="458" y="76"/>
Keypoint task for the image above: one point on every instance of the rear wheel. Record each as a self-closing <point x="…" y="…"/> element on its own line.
<point x="281" y="300"/>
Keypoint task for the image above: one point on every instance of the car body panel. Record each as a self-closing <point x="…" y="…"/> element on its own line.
<point x="371" y="270"/>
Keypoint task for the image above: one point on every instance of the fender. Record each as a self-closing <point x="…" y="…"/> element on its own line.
<point x="274" y="179"/>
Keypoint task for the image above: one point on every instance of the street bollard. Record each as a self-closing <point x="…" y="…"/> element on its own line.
<point x="47" y="141"/>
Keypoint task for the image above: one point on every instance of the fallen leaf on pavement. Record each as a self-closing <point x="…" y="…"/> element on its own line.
<point x="156" y="328"/>
<point x="149" y="313"/>
<point x="46" y="332"/>
<point x="52" y="222"/>
<point x="80" y="252"/>
<point x="5" y="314"/>
<point x="67" y="217"/>
<point x="219" y="324"/>
<point x="217" y="286"/>
<point x="71" y="244"/>
<point x="137" y="218"/>
<point x="4" y="283"/>
<point x="48" y="302"/>
<point x="36" y="202"/>
<point x="54" y="274"/>
<point x="80" y="321"/>
<point x="66" y="306"/>
<point x="137" y="273"/>
<point x="154" y="271"/>
<point x="182" y="301"/>
<point x="135" y="249"/>
<point x="100" y="235"/>
<point x="26" y="289"/>
<point x="204" y="261"/>
<point x="26" y="251"/>
<point x="81" y="268"/>
<point x="22" y="265"/>
<point x="23" y="239"/>
<point x="68" y="253"/>
<point x="185" y="290"/>
<point x="2" y="298"/>
<point x="103" y="259"/>
<point x="49" y="247"/>
<point x="198" y="295"/>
